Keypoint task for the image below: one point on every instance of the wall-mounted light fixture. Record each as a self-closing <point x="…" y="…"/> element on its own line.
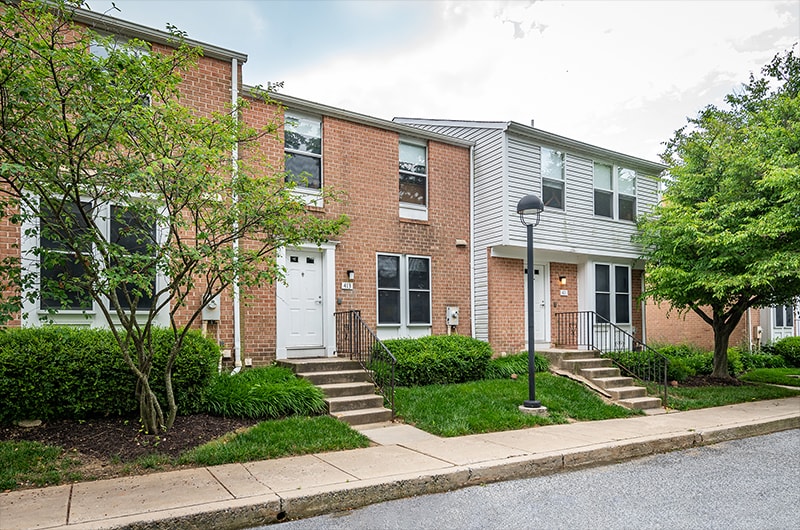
<point x="562" y="280"/>
<point x="351" y="275"/>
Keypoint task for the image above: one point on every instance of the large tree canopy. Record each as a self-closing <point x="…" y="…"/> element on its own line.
<point x="120" y="181"/>
<point x="726" y="236"/>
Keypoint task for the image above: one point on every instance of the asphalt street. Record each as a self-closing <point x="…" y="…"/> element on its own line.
<point x="753" y="483"/>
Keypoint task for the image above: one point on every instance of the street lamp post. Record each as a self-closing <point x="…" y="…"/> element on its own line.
<point x="529" y="209"/>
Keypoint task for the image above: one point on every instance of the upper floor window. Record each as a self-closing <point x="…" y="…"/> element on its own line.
<point x="413" y="174"/>
<point x="552" y="164"/>
<point x="303" y="148"/>
<point x="627" y="194"/>
<point x="101" y="50"/>
<point x="614" y="192"/>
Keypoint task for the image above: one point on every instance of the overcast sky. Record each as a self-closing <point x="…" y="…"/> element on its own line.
<point x="623" y="75"/>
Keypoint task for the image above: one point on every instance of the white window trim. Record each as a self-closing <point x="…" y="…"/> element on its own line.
<point x="612" y="285"/>
<point x="32" y="313"/>
<point x="404" y="293"/>
<point x="408" y="210"/>
<point x="615" y="193"/>
<point x="311" y="196"/>
<point x="562" y="181"/>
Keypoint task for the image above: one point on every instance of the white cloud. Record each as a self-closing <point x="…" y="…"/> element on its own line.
<point x="601" y="72"/>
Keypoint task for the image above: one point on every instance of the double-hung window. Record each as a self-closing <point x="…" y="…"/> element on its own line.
<point x="413" y="166"/>
<point x="404" y="290"/>
<point x="552" y="164"/>
<point x="626" y="199"/>
<point x="66" y="248"/>
<point x="614" y="192"/>
<point x="303" y="149"/>
<point x="135" y="236"/>
<point x="613" y="293"/>
<point x="603" y="190"/>
<point x="59" y="265"/>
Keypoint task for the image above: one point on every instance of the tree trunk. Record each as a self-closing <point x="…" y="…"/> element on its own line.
<point x="150" y="413"/>
<point x="722" y="335"/>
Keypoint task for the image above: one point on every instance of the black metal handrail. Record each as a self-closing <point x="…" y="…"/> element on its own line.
<point x="355" y="339"/>
<point x="587" y="329"/>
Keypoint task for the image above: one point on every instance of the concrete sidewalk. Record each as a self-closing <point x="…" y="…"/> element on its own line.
<point x="405" y="462"/>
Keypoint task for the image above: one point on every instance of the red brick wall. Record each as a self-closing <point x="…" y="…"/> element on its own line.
<point x="506" y="279"/>
<point x="9" y="247"/>
<point x="689" y="328"/>
<point x="361" y="163"/>
<point x="562" y="304"/>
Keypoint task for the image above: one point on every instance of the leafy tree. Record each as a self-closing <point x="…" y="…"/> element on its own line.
<point x="123" y="182"/>
<point x="726" y="236"/>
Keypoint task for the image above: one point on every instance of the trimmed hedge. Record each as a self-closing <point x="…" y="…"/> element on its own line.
<point x="55" y="372"/>
<point x="263" y="393"/>
<point x="439" y="359"/>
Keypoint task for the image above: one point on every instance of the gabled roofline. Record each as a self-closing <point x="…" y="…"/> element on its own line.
<point x="117" y="26"/>
<point x="548" y="138"/>
<point x="299" y="104"/>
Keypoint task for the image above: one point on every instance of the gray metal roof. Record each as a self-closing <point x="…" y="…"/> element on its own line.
<point x="299" y="104"/>
<point x="108" y="24"/>
<point x="545" y="137"/>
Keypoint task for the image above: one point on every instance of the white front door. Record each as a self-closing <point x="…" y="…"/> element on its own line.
<point x="539" y="304"/>
<point x="539" y="296"/>
<point x="304" y="300"/>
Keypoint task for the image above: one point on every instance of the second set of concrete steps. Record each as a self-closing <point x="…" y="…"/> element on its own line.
<point x="603" y="374"/>
<point x="349" y="393"/>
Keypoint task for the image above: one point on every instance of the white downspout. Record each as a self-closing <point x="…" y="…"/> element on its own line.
<point x="472" y="239"/>
<point x="237" y="332"/>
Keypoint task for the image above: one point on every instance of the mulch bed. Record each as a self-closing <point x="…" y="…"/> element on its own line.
<point x="121" y="439"/>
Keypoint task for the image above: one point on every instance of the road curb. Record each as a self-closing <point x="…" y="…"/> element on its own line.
<point x="310" y="502"/>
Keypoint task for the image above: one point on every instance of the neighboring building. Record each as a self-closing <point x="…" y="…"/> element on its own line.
<point x="756" y="328"/>
<point x="584" y="257"/>
<point x="403" y="260"/>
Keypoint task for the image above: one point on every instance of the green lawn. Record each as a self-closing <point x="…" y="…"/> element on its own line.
<point x="445" y="410"/>
<point x="493" y="405"/>
<point x="775" y="376"/>
<point x="277" y="438"/>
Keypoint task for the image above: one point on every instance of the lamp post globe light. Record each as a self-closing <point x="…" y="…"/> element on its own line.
<point x="529" y="209"/>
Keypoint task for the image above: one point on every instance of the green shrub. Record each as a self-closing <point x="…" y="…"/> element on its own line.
<point x="678" y="350"/>
<point x="503" y="367"/>
<point x="60" y="372"/>
<point x="754" y="361"/>
<point x="703" y="363"/>
<point x="789" y="349"/>
<point x="439" y="359"/>
<point x="645" y="366"/>
<point x="263" y="393"/>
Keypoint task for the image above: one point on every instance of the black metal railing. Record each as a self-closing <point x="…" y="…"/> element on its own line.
<point x="587" y="329"/>
<point x="356" y="340"/>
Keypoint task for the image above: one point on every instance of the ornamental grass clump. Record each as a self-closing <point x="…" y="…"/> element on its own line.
<point x="263" y="393"/>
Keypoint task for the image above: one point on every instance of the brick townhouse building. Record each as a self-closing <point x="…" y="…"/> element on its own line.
<point x="403" y="260"/>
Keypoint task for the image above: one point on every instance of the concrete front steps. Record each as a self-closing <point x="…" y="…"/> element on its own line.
<point x="349" y="394"/>
<point x="604" y="375"/>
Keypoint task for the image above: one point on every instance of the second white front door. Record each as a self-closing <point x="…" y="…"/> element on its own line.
<point x="539" y="303"/>
<point x="305" y="333"/>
